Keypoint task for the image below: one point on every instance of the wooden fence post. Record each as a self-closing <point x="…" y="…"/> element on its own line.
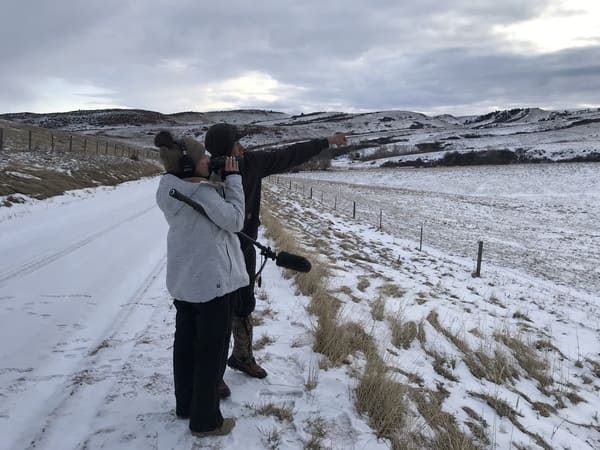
<point x="29" y="144"/>
<point x="479" y="254"/>
<point x="421" y="239"/>
<point x="1" y="138"/>
<point x="354" y="210"/>
<point x="380" y="219"/>
<point x="311" y="192"/>
<point x="52" y="145"/>
<point x="335" y="203"/>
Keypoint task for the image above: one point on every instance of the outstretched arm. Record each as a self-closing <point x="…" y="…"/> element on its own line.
<point x="277" y="161"/>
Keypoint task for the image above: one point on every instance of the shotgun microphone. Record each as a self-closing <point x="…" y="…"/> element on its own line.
<point x="282" y="259"/>
<point x="293" y="262"/>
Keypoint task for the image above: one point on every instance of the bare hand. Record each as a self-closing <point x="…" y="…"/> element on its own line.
<point x="338" y="139"/>
<point x="231" y="164"/>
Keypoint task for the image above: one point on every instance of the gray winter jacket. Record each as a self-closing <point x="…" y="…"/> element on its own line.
<point x="204" y="259"/>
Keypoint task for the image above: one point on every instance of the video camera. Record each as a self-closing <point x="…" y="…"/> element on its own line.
<point x="218" y="162"/>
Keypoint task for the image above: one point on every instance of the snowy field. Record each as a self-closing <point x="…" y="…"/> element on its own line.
<point x="86" y="323"/>
<point x="539" y="219"/>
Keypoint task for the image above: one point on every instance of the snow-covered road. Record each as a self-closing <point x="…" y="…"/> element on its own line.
<point x="75" y="275"/>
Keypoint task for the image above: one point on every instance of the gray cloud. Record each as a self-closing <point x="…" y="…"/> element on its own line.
<point x="356" y="55"/>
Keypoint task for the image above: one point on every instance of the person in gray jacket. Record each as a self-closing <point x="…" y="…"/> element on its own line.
<point x="205" y="270"/>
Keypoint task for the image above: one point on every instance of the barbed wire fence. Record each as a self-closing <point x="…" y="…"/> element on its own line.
<point x="21" y="138"/>
<point x="343" y="206"/>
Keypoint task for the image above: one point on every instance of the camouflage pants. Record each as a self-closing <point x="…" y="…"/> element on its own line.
<point x="242" y="338"/>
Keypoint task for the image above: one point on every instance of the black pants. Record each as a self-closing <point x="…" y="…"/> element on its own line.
<point x="202" y="333"/>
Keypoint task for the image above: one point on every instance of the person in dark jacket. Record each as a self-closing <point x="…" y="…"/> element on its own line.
<point x="223" y="140"/>
<point x="205" y="269"/>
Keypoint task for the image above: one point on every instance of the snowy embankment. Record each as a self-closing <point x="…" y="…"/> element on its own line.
<point x="513" y="358"/>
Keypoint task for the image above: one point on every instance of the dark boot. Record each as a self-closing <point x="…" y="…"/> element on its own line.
<point x="248" y="366"/>
<point x="223" y="390"/>
<point x="225" y="428"/>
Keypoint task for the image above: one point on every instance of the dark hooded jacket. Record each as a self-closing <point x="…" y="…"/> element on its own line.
<point x="262" y="163"/>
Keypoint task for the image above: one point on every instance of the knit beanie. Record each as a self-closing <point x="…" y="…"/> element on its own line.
<point x="219" y="138"/>
<point x="170" y="153"/>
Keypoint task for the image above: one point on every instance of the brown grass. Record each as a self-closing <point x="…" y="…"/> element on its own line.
<point x="262" y="342"/>
<point x="281" y="412"/>
<point x="378" y="309"/>
<point x="528" y="358"/>
<point x="383" y="400"/>
<point x="484" y="363"/>
<point x="44" y="182"/>
<point x="403" y="333"/>
<point x="317" y="429"/>
<point x="391" y="290"/>
<point x="503" y="409"/>
<point x="447" y="436"/>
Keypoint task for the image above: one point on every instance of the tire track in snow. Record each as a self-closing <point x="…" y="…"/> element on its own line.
<point x="37" y="263"/>
<point x="94" y="377"/>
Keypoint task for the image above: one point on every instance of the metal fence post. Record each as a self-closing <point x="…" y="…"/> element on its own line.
<point x="479" y="253"/>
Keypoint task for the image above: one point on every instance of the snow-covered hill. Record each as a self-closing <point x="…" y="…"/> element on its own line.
<point x="535" y="133"/>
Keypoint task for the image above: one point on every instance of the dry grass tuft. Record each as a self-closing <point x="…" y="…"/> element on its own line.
<point x="595" y="367"/>
<point x="403" y="333"/>
<point x="528" y="358"/>
<point x="262" y="342"/>
<point x="363" y="284"/>
<point x="378" y="309"/>
<point x="383" y="400"/>
<point x="282" y="412"/>
<point x="443" y="365"/>
<point x="313" y="376"/>
<point x="522" y="316"/>
<point x="484" y="363"/>
<point x="504" y="410"/>
<point x="338" y="341"/>
<point x="543" y="409"/>
<point x="391" y="290"/>
<point x="447" y="435"/>
<point x="271" y="437"/>
<point x="317" y="429"/>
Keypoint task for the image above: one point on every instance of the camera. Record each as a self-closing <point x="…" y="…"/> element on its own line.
<point x="218" y="162"/>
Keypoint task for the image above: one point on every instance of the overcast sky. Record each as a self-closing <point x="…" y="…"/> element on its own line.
<point x="431" y="56"/>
